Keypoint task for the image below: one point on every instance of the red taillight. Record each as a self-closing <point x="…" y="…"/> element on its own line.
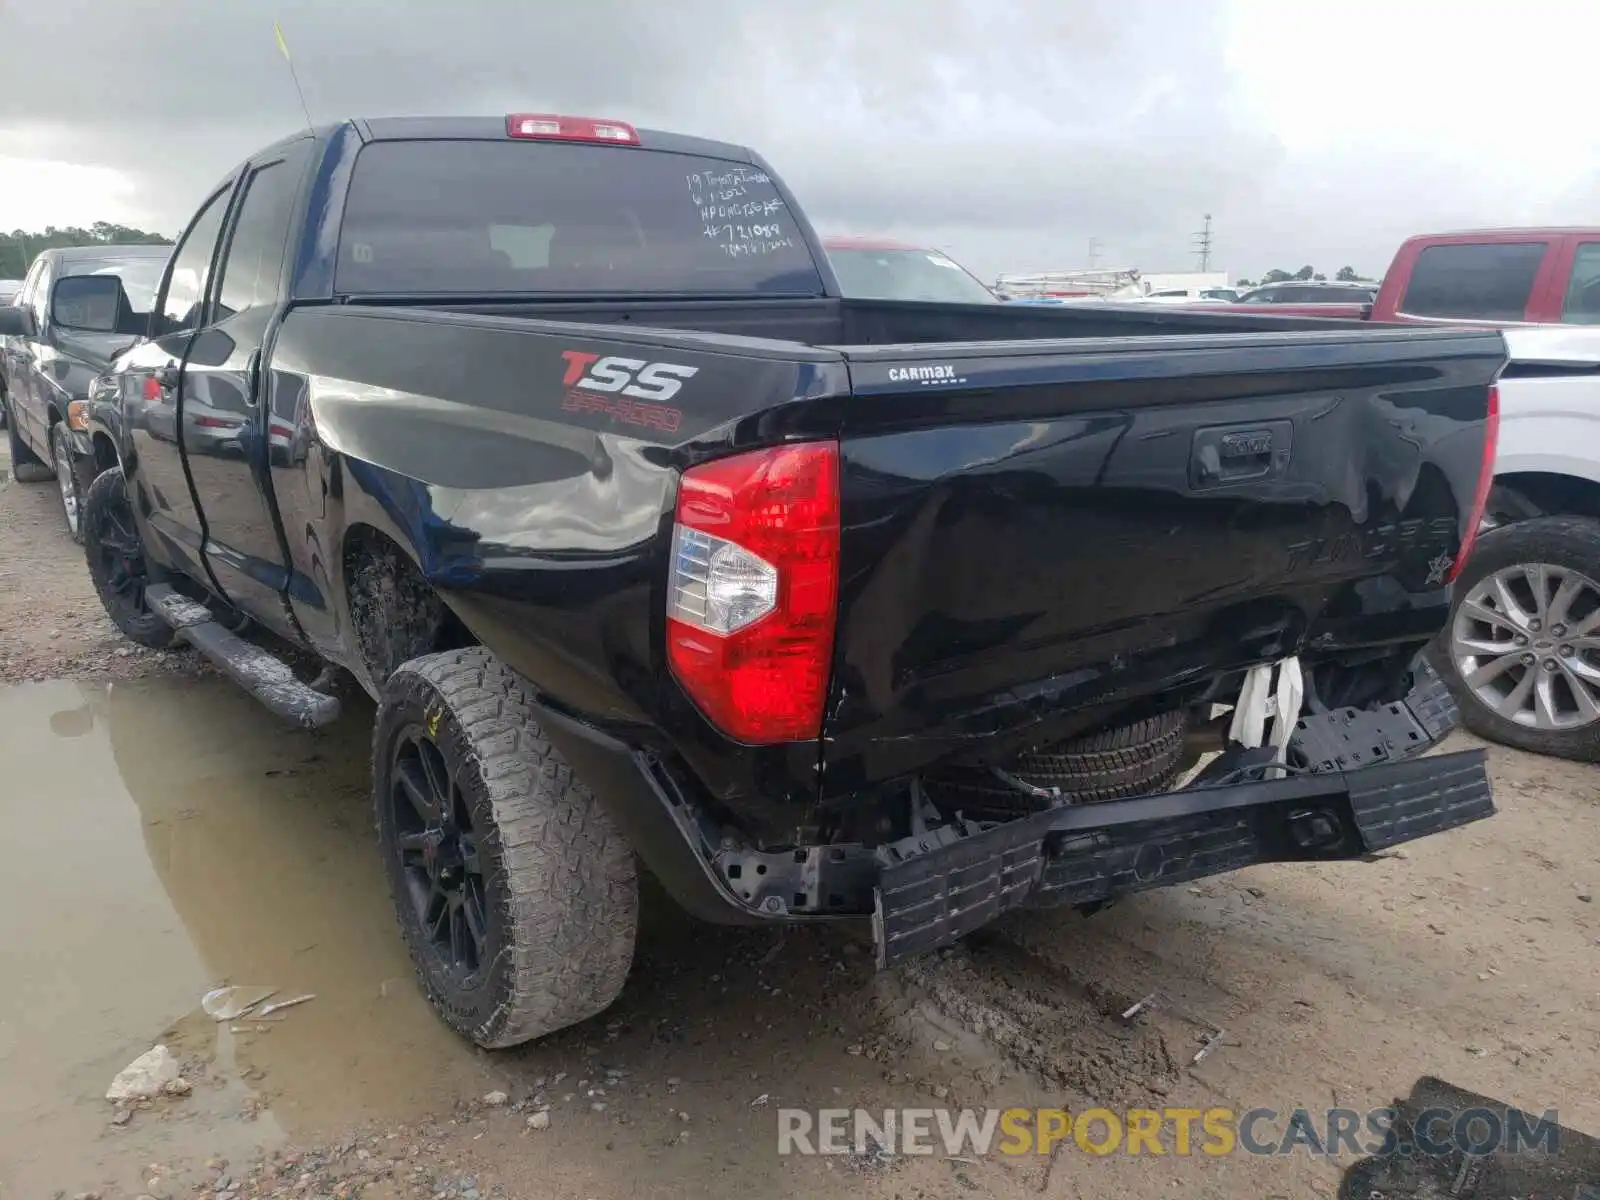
<point x="570" y="129"/>
<point x="1480" y="498"/>
<point x="753" y="590"/>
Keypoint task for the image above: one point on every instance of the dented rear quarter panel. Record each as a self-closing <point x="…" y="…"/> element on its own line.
<point x="538" y="515"/>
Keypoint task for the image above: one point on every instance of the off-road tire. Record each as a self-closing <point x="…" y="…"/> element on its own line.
<point x="26" y="466"/>
<point x="108" y="494"/>
<point x="1572" y="542"/>
<point x="559" y="880"/>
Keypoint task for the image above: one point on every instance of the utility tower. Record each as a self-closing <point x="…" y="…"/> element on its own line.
<point x="1094" y="252"/>
<point x="1202" y="245"/>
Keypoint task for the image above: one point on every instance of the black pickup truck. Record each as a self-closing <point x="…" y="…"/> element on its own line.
<point x="77" y="308"/>
<point x="558" y="437"/>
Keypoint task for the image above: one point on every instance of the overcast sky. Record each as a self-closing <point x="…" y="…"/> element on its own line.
<point x="1008" y="132"/>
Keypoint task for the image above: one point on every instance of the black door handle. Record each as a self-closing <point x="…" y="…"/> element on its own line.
<point x="1226" y="454"/>
<point x="252" y="379"/>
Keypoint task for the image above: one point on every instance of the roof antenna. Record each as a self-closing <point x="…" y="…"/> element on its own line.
<point x="277" y="30"/>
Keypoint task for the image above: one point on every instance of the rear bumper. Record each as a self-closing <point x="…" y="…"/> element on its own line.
<point x="1094" y="853"/>
<point x="1363" y="788"/>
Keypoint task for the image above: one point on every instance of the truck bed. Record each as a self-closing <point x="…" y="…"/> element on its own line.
<point x="847" y="322"/>
<point x="1040" y="532"/>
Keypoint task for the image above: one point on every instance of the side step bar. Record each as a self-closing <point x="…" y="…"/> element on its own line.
<point x="261" y="673"/>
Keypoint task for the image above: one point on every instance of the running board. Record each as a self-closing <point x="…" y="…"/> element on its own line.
<point x="264" y="675"/>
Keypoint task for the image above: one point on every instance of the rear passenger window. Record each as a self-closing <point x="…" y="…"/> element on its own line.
<point x="253" y="269"/>
<point x="1485" y="282"/>
<point x="1582" y="306"/>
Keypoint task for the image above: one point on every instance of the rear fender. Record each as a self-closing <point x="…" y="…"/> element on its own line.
<point x="1546" y="421"/>
<point x="360" y="497"/>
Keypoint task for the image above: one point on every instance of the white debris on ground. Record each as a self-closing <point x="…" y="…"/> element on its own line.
<point x="146" y="1077"/>
<point x="231" y="1003"/>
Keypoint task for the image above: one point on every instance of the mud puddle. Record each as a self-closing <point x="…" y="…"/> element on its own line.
<point x="165" y="838"/>
<point x="175" y="838"/>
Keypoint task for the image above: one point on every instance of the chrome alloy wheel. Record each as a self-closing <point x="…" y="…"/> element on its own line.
<point x="1526" y="641"/>
<point x="66" y="479"/>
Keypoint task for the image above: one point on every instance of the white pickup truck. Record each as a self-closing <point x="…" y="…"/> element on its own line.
<point x="1522" y="650"/>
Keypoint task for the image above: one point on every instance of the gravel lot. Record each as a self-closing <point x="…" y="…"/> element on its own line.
<point x="245" y="857"/>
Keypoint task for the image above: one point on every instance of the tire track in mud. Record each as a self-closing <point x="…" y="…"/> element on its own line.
<point x="1038" y="1018"/>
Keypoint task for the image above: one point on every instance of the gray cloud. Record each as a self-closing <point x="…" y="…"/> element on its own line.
<point x="1010" y="133"/>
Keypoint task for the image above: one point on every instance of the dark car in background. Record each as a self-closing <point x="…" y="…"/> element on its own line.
<point x="78" y="307"/>
<point x="1311" y="291"/>
<point x="880" y="269"/>
<point x="8" y="292"/>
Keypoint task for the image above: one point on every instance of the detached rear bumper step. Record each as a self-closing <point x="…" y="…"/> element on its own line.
<point x="261" y="673"/>
<point x="1096" y="852"/>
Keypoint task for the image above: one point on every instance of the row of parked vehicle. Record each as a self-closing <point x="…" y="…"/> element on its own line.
<point x="657" y="531"/>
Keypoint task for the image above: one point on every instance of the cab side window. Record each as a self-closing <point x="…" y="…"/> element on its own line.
<point x="1484" y="281"/>
<point x="1582" y="305"/>
<point x="253" y="268"/>
<point x="191" y="269"/>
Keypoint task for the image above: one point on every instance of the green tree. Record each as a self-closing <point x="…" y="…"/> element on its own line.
<point x="1305" y="272"/>
<point x="1276" y="276"/>
<point x="1346" y="275"/>
<point x="1245" y="283"/>
<point x="19" y="247"/>
<point x="1320" y="277"/>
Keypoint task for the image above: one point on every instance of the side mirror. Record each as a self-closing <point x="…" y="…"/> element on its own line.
<point x="88" y="303"/>
<point x="16" y="321"/>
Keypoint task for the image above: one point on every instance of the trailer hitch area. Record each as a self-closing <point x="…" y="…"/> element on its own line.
<point x="808" y="881"/>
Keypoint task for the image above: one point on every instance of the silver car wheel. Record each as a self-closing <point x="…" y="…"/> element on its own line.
<point x="1526" y="642"/>
<point x="61" y="451"/>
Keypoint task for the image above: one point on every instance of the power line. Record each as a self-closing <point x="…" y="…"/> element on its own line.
<point x="1202" y="241"/>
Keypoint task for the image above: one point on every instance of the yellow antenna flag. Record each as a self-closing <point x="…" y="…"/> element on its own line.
<point x="283" y="46"/>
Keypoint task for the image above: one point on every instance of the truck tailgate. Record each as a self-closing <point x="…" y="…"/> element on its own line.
<point x="1037" y="534"/>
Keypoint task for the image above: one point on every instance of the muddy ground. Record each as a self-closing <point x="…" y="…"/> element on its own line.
<point x="163" y="836"/>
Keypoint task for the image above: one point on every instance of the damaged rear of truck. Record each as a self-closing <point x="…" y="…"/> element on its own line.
<point x="648" y="543"/>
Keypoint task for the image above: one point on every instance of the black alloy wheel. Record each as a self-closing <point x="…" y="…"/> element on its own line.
<point x="116" y="559"/>
<point x="515" y="892"/>
<point x="439" y="852"/>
